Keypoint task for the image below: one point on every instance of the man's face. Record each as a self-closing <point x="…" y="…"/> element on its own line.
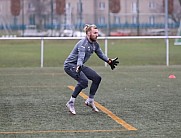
<point x="93" y="34"/>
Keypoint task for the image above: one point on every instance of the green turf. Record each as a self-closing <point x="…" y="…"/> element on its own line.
<point x="33" y="99"/>
<point x="26" y="53"/>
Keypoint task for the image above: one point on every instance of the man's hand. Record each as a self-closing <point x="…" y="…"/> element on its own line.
<point x="78" y="69"/>
<point x="113" y="62"/>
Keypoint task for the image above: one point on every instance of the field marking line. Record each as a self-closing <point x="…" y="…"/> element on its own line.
<point x="61" y="131"/>
<point x="108" y="112"/>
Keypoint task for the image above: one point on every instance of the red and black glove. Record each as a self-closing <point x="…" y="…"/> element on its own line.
<point x="113" y="62"/>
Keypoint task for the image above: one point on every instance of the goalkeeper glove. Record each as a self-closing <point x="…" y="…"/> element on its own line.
<point x="113" y="62"/>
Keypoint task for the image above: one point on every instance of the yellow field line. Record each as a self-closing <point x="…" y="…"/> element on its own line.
<point x="60" y="131"/>
<point x="108" y="112"/>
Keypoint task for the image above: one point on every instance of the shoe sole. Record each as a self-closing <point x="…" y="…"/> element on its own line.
<point x="91" y="108"/>
<point x="70" y="111"/>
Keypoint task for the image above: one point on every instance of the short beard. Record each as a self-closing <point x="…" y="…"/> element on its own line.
<point x="93" y="40"/>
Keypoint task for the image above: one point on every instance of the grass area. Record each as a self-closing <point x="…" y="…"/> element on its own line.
<point x="33" y="102"/>
<point x="26" y="53"/>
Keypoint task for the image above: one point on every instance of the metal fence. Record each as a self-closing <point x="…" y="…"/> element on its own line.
<point x="105" y="39"/>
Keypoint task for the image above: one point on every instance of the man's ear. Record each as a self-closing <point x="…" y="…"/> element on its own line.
<point x="88" y="33"/>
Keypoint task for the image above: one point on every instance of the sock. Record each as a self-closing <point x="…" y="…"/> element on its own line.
<point x="72" y="99"/>
<point x="91" y="96"/>
<point x="90" y="99"/>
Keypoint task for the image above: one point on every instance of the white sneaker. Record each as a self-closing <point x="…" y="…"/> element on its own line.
<point x="91" y="105"/>
<point x="70" y="106"/>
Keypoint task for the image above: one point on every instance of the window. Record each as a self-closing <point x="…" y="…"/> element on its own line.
<point x="69" y="4"/>
<point x="134" y="7"/>
<point x="101" y="5"/>
<point x="134" y="19"/>
<point x="79" y="7"/>
<point x="117" y="20"/>
<point x="32" y="19"/>
<point x="101" y="20"/>
<point x="151" y="19"/>
<point x="1" y="8"/>
<point x="151" y="4"/>
<point x="68" y="8"/>
<point x="31" y="7"/>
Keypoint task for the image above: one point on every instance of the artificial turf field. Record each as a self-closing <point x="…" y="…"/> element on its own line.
<point x="32" y="103"/>
<point x="136" y="100"/>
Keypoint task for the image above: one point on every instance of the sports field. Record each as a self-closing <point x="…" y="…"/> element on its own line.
<point x="135" y="101"/>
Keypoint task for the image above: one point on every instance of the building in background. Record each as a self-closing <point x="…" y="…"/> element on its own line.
<point x="134" y="16"/>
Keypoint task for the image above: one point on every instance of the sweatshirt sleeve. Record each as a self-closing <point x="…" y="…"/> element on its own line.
<point x="100" y="54"/>
<point x="81" y="54"/>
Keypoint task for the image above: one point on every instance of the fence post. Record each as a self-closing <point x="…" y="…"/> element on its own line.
<point x="167" y="51"/>
<point x="105" y="44"/>
<point x="166" y="32"/>
<point x="42" y="51"/>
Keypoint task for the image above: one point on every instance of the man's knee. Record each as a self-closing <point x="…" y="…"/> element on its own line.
<point x="83" y="83"/>
<point x="97" y="79"/>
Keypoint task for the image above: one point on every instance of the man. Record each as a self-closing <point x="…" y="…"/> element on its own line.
<point x="74" y="67"/>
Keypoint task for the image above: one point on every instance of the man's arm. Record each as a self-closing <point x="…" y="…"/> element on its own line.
<point x="100" y="54"/>
<point x="81" y="54"/>
<point x="112" y="62"/>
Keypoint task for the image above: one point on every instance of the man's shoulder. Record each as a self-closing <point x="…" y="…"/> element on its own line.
<point x="83" y="41"/>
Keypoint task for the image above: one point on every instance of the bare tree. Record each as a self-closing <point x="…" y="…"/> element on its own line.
<point x="176" y="14"/>
<point x="174" y="10"/>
